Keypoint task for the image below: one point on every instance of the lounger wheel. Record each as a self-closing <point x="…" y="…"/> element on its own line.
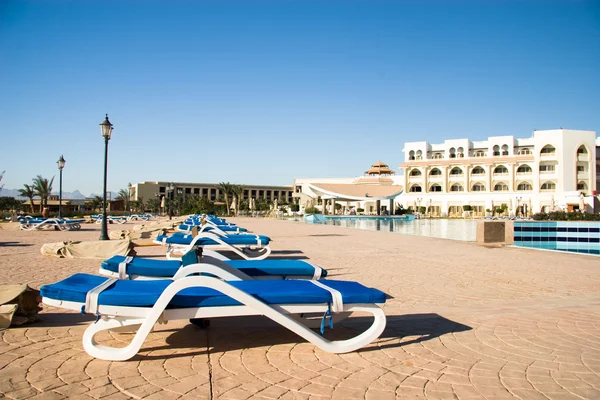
<point x="202" y="323"/>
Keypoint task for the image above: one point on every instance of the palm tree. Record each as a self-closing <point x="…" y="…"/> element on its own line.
<point x="238" y="193"/>
<point x="29" y="192"/>
<point x="124" y="195"/>
<point x="225" y="189"/>
<point x="43" y="188"/>
<point x="95" y="203"/>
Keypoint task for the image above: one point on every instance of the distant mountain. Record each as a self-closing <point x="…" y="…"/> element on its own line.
<point x="109" y="195"/>
<point x="76" y="195"/>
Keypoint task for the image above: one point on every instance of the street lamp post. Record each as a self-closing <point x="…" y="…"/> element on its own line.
<point x="171" y="190"/>
<point x="106" y="129"/>
<point x="61" y="164"/>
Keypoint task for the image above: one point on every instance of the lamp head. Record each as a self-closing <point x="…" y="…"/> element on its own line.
<point x="106" y="128"/>
<point x="61" y="162"/>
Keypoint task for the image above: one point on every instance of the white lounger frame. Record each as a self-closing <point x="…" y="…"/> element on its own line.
<point x="66" y="224"/>
<point x="248" y="252"/>
<point x="115" y="317"/>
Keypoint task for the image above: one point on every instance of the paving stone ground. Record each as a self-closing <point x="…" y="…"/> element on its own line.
<point x="463" y="322"/>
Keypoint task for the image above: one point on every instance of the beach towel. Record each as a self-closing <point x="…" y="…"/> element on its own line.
<point x="97" y="249"/>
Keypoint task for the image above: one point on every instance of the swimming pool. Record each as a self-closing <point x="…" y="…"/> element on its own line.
<point x="455" y="229"/>
<point x="575" y="237"/>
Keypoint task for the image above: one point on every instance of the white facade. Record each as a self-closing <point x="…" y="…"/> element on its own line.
<point x="552" y="170"/>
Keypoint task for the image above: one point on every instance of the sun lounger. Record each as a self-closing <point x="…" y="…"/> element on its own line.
<point x="125" y="267"/>
<point x="248" y="246"/>
<point x="229" y="229"/>
<point x="51" y="223"/>
<point x="126" y="304"/>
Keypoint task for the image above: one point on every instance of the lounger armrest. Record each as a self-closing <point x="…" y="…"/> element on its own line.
<point x="222" y="271"/>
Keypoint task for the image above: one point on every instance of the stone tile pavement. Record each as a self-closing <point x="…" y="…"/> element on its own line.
<point x="464" y="322"/>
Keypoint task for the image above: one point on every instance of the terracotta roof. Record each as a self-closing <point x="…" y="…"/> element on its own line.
<point x="379" y="168"/>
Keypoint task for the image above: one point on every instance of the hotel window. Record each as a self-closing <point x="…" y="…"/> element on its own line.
<point x="524" y="169"/>
<point x="253" y="193"/>
<point x="452" y="152"/>
<point x="478" y="187"/>
<point x="415" y="172"/>
<point x="261" y="193"/>
<point x="479" y="154"/>
<point x="276" y="193"/>
<point x="415" y="188"/>
<point x="548" y="150"/>
<point x="524" y="152"/>
<point x="213" y="194"/>
<point x="411" y="155"/>
<point x="435" y="188"/>
<point x="524" y="186"/>
<point x="580" y="168"/>
<point x="162" y="189"/>
<point x="496" y="150"/>
<point x="500" y="170"/>
<point x="501" y="187"/>
<point x="188" y="190"/>
<point x="548" y="186"/>
<point x="246" y="194"/>
<point x="456" y="171"/>
<point x="437" y="156"/>
<point x="504" y="150"/>
<point x="478" y="171"/>
<point x="582" y="186"/>
<point x="435" y="172"/>
<point x="456" y="188"/>
<point x="547" y="168"/>
<point x="268" y="195"/>
<point x="196" y="190"/>
<point x="419" y="155"/>
<point x="460" y="153"/>
<point x="582" y="150"/>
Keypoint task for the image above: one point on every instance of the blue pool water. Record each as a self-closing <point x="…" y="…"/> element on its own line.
<point x="577" y="237"/>
<point x="456" y="229"/>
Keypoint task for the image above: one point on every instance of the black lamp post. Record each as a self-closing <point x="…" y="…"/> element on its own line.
<point x="106" y="128"/>
<point x="171" y="191"/>
<point x="61" y="164"/>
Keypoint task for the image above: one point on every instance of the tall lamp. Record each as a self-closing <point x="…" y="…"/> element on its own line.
<point x="106" y="129"/>
<point x="61" y="164"/>
<point x="171" y="193"/>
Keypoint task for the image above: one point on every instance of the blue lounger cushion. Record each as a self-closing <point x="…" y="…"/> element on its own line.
<point x="186" y="238"/>
<point x="224" y="228"/>
<point x="128" y="293"/>
<point x="168" y="268"/>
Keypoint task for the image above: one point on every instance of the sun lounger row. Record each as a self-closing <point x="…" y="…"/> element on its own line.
<point x="136" y="293"/>
<point x="62" y="224"/>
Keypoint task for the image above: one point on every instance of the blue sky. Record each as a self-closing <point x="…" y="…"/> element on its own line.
<point x="262" y="92"/>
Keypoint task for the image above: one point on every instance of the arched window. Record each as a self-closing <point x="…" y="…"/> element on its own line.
<point x="435" y="172"/>
<point x="501" y="187"/>
<point x="415" y="188"/>
<point x="505" y="150"/>
<point x="582" y="150"/>
<point x="452" y="152"/>
<point x="478" y="171"/>
<point x="496" y="150"/>
<point x="524" y="151"/>
<point x="460" y="152"/>
<point x="548" y="150"/>
<point x="524" y="186"/>
<point x="415" y="172"/>
<point x="411" y="155"/>
<point x="456" y="188"/>
<point x="500" y="170"/>
<point x="478" y="187"/>
<point x="548" y="186"/>
<point x="435" y="188"/>
<point x="456" y="171"/>
<point x="419" y="155"/>
<point x="582" y="185"/>
<point x="547" y="168"/>
<point x="524" y="169"/>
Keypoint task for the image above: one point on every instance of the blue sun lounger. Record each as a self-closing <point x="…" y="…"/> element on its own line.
<point x="127" y="304"/>
<point x="125" y="267"/>
<point x="248" y="246"/>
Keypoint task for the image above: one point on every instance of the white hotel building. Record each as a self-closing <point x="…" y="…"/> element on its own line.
<point x="552" y="170"/>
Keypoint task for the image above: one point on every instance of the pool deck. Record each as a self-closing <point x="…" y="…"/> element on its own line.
<point x="465" y="321"/>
